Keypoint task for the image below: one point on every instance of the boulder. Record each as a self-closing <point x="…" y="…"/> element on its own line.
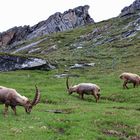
<point x="12" y="62"/>
<point x="14" y="34"/>
<point x="83" y="65"/>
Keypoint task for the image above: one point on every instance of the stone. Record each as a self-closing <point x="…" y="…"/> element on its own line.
<point x="80" y="66"/>
<point x="14" y="34"/>
<point x="12" y="62"/>
<point x="133" y="8"/>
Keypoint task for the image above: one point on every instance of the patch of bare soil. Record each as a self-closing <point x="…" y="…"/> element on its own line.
<point x="58" y="130"/>
<point x="126" y="108"/>
<point x="114" y="98"/>
<point x="121" y="134"/>
<point x="135" y="138"/>
<point x="115" y="133"/>
<point x="121" y="107"/>
<point x="51" y="102"/>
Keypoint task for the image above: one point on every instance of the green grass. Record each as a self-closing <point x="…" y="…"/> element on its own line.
<point x="115" y="117"/>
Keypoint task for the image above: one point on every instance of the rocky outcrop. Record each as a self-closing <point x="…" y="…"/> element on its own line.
<point x="56" y="23"/>
<point x="14" y="34"/>
<point x="133" y="8"/>
<point x="11" y="62"/>
<point x="61" y="22"/>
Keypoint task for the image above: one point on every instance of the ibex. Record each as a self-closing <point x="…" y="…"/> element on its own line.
<point x="84" y="88"/>
<point x="10" y="97"/>
<point x="130" y="78"/>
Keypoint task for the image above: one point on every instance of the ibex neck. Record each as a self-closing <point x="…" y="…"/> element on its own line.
<point x="21" y="100"/>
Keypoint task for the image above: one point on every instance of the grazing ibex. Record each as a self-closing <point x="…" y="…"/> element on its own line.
<point x="84" y="88"/>
<point x="130" y="78"/>
<point x="10" y="97"/>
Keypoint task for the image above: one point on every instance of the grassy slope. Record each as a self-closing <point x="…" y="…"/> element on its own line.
<point x="118" y="54"/>
<point x="116" y="116"/>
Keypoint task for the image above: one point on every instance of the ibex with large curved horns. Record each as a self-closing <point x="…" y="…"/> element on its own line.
<point x="84" y="88"/>
<point x="10" y="97"/>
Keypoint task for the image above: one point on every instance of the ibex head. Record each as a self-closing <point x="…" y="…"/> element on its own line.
<point x="29" y="104"/>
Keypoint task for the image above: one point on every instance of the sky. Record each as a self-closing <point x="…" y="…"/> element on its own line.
<point x="30" y="12"/>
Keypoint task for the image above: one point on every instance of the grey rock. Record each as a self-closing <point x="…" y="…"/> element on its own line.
<point x="137" y="24"/>
<point x="63" y="75"/>
<point x="129" y="33"/>
<point x="14" y="34"/>
<point x="79" y="66"/>
<point x="133" y="8"/>
<point x="29" y="46"/>
<point x="32" y="62"/>
<point x="11" y="62"/>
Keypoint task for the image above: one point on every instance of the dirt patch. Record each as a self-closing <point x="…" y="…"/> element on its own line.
<point x="114" y="99"/>
<point x="122" y="132"/>
<point x="135" y="138"/>
<point x="126" y="108"/>
<point x="51" y="102"/>
<point x="58" y="130"/>
<point x="61" y="130"/>
<point x="138" y="109"/>
<point x="120" y="107"/>
<point x="115" y="133"/>
<point x="121" y="125"/>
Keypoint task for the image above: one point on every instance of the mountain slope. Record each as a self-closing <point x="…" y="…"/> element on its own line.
<point x="110" y="44"/>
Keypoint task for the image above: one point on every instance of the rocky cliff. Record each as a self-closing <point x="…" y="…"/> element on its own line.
<point x="133" y="8"/>
<point x="55" y="23"/>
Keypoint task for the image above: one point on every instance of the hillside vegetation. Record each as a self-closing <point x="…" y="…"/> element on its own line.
<point x="113" y="46"/>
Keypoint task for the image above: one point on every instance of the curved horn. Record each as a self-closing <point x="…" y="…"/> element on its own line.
<point x="37" y="97"/>
<point x="67" y="82"/>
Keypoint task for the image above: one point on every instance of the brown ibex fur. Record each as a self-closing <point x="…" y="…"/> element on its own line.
<point x="130" y="78"/>
<point x="10" y="97"/>
<point x="84" y="88"/>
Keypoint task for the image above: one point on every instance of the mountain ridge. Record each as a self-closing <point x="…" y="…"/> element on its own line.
<point x="57" y="22"/>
